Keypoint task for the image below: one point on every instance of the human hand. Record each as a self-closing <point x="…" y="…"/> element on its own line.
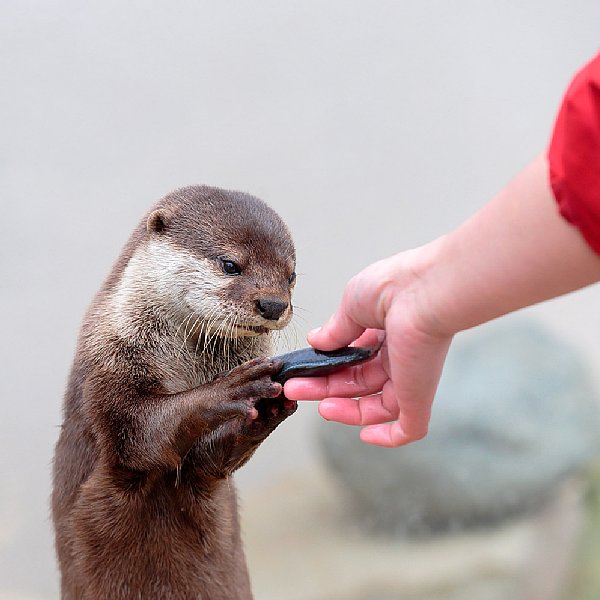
<point x="514" y="252"/>
<point x="391" y="395"/>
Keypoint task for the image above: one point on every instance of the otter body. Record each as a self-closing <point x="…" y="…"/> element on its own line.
<point x="143" y="503"/>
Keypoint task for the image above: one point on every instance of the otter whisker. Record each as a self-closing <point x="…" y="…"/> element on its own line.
<point x="192" y="331"/>
<point x="210" y="342"/>
<point x="217" y="338"/>
<point x="286" y="341"/>
<point x="285" y="334"/>
<point x="213" y="318"/>
<point x="229" y="337"/>
<point x="295" y="332"/>
<point x="202" y="333"/>
<point x="220" y="329"/>
<point x="198" y="322"/>
<point x="187" y="335"/>
<point x="235" y="342"/>
<point x="296" y="308"/>
<point x="183" y="321"/>
<point x="184" y="324"/>
<point x="207" y="324"/>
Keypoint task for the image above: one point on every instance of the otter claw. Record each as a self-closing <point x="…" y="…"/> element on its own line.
<point x="309" y="362"/>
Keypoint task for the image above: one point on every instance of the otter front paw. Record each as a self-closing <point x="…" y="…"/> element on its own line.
<point x="267" y="414"/>
<point x="240" y="390"/>
<point x="250" y="407"/>
<point x="252" y="395"/>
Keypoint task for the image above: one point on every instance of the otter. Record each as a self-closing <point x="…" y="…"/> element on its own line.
<point x="170" y="392"/>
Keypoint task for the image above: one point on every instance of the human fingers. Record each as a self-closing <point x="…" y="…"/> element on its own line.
<point x="367" y="410"/>
<point x="415" y="360"/>
<point x="405" y="430"/>
<point x="388" y="435"/>
<point x="370" y="337"/>
<point x="352" y="382"/>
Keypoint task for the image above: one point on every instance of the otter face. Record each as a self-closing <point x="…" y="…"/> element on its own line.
<point x="257" y="290"/>
<point x="229" y="260"/>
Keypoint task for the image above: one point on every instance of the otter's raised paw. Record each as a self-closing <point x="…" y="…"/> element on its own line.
<point x="267" y="414"/>
<point x="252" y="380"/>
<point x="268" y="405"/>
<point x="236" y="392"/>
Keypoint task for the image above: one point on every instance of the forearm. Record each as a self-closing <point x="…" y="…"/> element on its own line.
<point x="515" y="252"/>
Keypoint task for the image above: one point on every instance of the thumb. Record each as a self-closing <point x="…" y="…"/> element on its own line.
<point x="337" y="332"/>
<point x="341" y="329"/>
<point x="359" y="309"/>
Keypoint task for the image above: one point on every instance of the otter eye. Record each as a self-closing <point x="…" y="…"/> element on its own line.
<point x="231" y="268"/>
<point x="292" y="279"/>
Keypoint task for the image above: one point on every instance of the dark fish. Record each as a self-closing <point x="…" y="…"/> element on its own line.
<point x="309" y="362"/>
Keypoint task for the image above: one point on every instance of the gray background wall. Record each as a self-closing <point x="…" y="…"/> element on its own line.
<point x="370" y="126"/>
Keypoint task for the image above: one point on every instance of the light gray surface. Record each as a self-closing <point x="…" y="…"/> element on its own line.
<point x="516" y="414"/>
<point x="371" y="127"/>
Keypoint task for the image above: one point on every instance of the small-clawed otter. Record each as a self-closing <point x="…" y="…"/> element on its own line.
<point x="143" y="504"/>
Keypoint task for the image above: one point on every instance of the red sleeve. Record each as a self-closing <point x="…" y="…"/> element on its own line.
<point x="574" y="154"/>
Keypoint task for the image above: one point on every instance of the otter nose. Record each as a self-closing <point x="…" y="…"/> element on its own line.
<point x="271" y="308"/>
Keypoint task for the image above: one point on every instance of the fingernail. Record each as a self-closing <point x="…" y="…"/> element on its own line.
<point x="314" y="331"/>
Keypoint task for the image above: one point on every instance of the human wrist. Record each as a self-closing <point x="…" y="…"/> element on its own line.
<point x="444" y="296"/>
<point x="415" y="289"/>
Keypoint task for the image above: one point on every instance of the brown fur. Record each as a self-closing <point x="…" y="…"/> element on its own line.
<point x="143" y="503"/>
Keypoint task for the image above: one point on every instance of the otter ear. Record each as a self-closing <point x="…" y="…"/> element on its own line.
<point x="158" y="221"/>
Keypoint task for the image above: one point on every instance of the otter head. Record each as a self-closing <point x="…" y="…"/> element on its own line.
<point x="223" y="261"/>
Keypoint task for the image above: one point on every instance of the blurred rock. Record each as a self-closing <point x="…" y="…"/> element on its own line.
<point x="514" y="415"/>
<point x="299" y="547"/>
